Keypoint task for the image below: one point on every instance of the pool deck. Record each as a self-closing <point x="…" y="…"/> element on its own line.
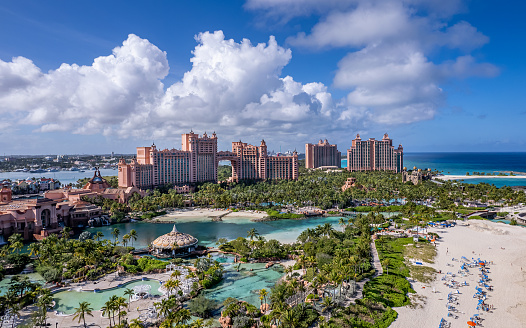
<point x="136" y="308"/>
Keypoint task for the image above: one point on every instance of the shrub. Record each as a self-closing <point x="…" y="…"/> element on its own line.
<point x="202" y="306"/>
<point x="49" y="273"/>
<point x="148" y="264"/>
<point x="18" y="261"/>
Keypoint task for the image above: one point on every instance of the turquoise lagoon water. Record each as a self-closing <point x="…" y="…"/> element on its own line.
<point x="242" y="285"/>
<point x="245" y="284"/>
<point x="67" y="301"/>
<point x="208" y="232"/>
<point x="5" y="283"/>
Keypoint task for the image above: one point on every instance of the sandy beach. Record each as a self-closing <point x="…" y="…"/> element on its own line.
<point x="466" y="177"/>
<point x="206" y="213"/>
<point x="501" y="244"/>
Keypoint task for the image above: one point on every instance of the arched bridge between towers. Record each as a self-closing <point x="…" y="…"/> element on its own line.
<point x="234" y="160"/>
<point x="226" y="156"/>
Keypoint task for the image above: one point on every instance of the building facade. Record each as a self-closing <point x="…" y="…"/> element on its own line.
<point x="251" y="162"/>
<point x="31" y="218"/>
<point x="375" y="155"/>
<point x="322" y="154"/>
<point x="197" y="161"/>
<point x="416" y="176"/>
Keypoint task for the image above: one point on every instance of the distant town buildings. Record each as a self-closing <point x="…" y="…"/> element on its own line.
<point x="375" y="155"/>
<point x="37" y="218"/>
<point x="322" y="154"/>
<point x="197" y="161"/>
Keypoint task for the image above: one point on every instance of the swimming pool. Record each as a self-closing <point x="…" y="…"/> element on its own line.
<point x="67" y="301"/>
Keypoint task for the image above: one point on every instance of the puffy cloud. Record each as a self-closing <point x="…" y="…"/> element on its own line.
<point x="85" y="99"/>
<point x="237" y="88"/>
<point x="364" y="25"/>
<point x="232" y="87"/>
<point x="387" y="71"/>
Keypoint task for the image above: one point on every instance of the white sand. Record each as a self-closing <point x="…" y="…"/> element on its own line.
<point x="466" y="177"/>
<point x="205" y="213"/>
<point x="482" y="239"/>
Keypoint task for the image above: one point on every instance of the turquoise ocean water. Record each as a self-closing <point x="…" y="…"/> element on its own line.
<point x="461" y="163"/>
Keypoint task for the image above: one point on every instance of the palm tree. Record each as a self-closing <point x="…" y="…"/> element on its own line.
<point x="327" y="304"/>
<point x="65" y="232"/>
<point x="125" y="239"/>
<point x="136" y="323"/>
<point x="133" y="235"/>
<point x="81" y="312"/>
<point x="289" y="270"/>
<point x="129" y="292"/>
<point x="289" y="318"/>
<point x="263" y="293"/>
<point x="98" y="235"/>
<point x="115" y="233"/>
<point x="386" y="263"/>
<point x="35" y="250"/>
<point x="198" y="323"/>
<point x="120" y="302"/>
<point x="169" y="285"/>
<point x="252" y="233"/>
<point x="107" y="310"/>
<point x="342" y="223"/>
<point x="16" y="243"/>
<point x="183" y="316"/>
<point x="44" y="303"/>
<point x="176" y="274"/>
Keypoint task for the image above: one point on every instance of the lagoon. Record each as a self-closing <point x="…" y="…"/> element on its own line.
<point x="208" y="232"/>
<point x="67" y="301"/>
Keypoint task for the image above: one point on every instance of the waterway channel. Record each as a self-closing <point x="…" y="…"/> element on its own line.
<point x="242" y="284"/>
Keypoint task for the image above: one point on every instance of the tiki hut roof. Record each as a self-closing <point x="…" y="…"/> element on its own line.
<point x="174" y="239"/>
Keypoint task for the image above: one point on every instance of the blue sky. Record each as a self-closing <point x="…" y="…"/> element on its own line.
<point x="99" y="76"/>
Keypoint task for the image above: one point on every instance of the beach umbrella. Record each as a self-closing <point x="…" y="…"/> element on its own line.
<point x="471" y="324"/>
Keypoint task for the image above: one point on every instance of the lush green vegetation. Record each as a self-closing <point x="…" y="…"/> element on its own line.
<point x="63" y="258"/>
<point x="209" y="272"/>
<point x="224" y="172"/>
<point x="257" y="247"/>
<point x="272" y="214"/>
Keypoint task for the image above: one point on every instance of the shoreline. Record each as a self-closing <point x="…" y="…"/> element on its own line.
<point x="465" y="177"/>
<point x="502" y="245"/>
<point x="211" y="214"/>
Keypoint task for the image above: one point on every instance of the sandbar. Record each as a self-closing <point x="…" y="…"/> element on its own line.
<point x="465" y="177"/>
<point x="208" y="214"/>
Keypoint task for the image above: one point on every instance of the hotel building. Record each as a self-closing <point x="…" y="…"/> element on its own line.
<point x="375" y="155"/>
<point x="322" y="154"/>
<point x="197" y="161"/>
